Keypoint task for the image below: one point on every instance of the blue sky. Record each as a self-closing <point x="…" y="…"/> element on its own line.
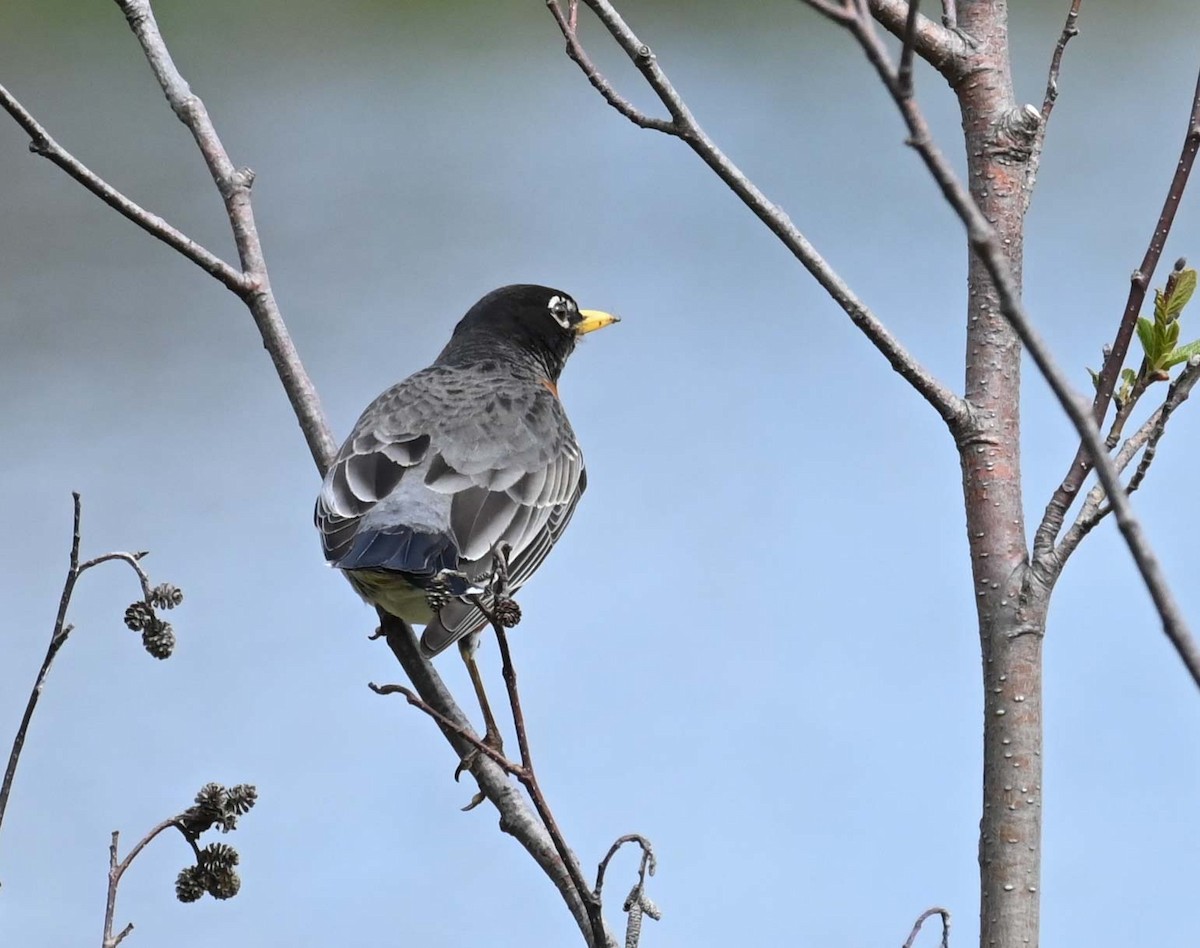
<point x="756" y="642"/>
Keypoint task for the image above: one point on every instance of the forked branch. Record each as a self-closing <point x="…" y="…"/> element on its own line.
<point x="1139" y="283"/>
<point x="158" y="638"/>
<point x="854" y="15"/>
<point x="683" y="125"/>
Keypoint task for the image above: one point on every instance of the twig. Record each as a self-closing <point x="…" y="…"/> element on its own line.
<point x="1069" y="32"/>
<point x="647" y="867"/>
<point x="1117" y="429"/>
<point x="922" y="919"/>
<point x="1177" y="394"/>
<point x="684" y="126"/>
<point x="234" y="185"/>
<point x="590" y="901"/>
<point x="516" y="819"/>
<point x="445" y="723"/>
<point x="904" y="78"/>
<point x="1094" y="510"/>
<point x="568" y="24"/>
<point x="250" y="283"/>
<point x="41" y="143"/>
<point x="637" y="903"/>
<point x="1083" y="462"/>
<point x="116" y="869"/>
<point x="58" y="638"/>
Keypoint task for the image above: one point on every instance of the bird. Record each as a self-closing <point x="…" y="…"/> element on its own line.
<point x="472" y="454"/>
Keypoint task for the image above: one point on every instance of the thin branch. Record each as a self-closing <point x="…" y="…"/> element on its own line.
<point x="41" y="143"/>
<point x="1069" y="32"/>
<point x="1180" y="389"/>
<point x="116" y="869"/>
<point x="684" y="126"/>
<point x="832" y="10"/>
<point x="59" y="634"/>
<point x="1064" y="496"/>
<point x="922" y="919"/>
<point x="251" y="283"/>
<point x="1150" y="433"/>
<point x="134" y="561"/>
<point x="568" y="23"/>
<point x="904" y="76"/>
<point x="586" y="895"/>
<point x="637" y="903"/>
<point x="58" y="638"/>
<point x="463" y="733"/>
<point x="234" y="186"/>
<point x="516" y="818"/>
<point x="648" y="863"/>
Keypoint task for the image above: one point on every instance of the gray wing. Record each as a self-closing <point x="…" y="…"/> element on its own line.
<point x="441" y="468"/>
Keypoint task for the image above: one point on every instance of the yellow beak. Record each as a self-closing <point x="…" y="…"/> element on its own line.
<point x="594" y="319"/>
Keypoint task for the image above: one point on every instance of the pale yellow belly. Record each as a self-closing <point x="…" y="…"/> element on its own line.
<point x="392" y="594"/>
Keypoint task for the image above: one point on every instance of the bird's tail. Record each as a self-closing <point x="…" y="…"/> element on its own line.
<point x="455" y="620"/>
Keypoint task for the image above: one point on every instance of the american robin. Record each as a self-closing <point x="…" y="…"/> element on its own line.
<point x="460" y="458"/>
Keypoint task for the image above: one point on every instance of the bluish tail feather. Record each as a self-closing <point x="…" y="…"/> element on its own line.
<point x="419" y="555"/>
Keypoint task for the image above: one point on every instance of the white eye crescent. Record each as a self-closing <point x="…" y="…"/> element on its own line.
<point x="562" y="309"/>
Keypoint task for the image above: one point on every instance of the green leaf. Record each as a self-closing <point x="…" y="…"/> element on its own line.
<point x="1095" y="378"/>
<point x="1128" y="376"/>
<point x="1160" y="307"/>
<point x="1145" y="331"/>
<point x="1185" y="286"/>
<point x="1172" y="335"/>
<point x="1182" y="354"/>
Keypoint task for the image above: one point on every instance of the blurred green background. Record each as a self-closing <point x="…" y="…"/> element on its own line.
<point x="756" y="643"/>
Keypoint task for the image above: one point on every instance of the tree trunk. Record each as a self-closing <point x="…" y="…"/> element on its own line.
<point x="1010" y="628"/>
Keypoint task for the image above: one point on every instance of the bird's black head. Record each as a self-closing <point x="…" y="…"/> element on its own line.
<point x="524" y="323"/>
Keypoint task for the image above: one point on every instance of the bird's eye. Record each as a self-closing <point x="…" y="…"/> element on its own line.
<point x="563" y="310"/>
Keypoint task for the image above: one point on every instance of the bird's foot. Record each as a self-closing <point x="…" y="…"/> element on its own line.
<point x="491" y="739"/>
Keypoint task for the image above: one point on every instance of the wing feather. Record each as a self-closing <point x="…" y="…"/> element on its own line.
<point x="430" y="480"/>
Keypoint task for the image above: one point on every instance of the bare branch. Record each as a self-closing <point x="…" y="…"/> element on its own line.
<point x="516" y="818"/>
<point x="116" y="869"/>
<point x="1069" y="32"/>
<point x="685" y="127"/>
<point x="1031" y="169"/>
<point x="904" y="77"/>
<point x="590" y="900"/>
<point x="637" y="903"/>
<point x="1064" y="496"/>
<point x="234" y="185"/>
<point x="567" y="23"/>
<point x="830" y="9"/>
<point x="464" y="733"/>
<point x="41" y="143"/>
<point x="251" y="283"/>
<point x="922" y="919"/>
